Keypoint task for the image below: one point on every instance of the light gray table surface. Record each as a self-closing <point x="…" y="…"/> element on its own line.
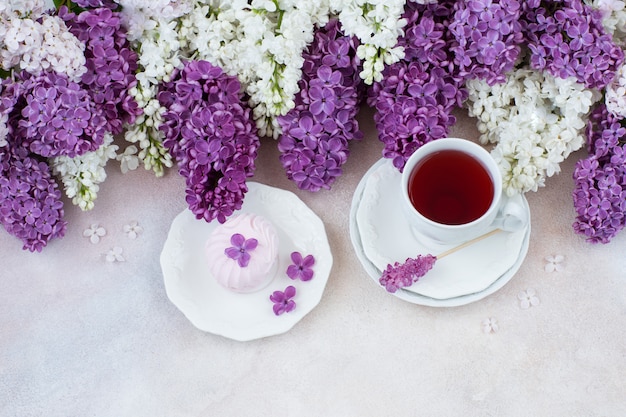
<point x="80" y="336"/>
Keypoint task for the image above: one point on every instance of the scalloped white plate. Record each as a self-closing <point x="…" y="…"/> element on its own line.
<point x="380" y="235"/>
<point x="243" y="317"/>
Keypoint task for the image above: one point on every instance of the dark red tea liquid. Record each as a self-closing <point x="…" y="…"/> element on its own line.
<point x="451" y="187"/>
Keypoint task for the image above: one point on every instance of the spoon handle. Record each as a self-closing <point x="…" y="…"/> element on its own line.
<point x="468" y="243"/>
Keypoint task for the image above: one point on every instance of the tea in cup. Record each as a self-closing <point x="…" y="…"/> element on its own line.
<point x="452" y="192"/>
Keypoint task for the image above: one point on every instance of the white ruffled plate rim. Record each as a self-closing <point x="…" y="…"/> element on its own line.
<point x="243" y="317"/>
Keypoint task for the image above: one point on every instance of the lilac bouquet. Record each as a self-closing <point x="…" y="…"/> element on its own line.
<point x="63" y="96"/>
<point x="600" y="179"/>
<point x="199" y="81"/>
<point x="211" y="134"/>
<point x="316" y="133"/>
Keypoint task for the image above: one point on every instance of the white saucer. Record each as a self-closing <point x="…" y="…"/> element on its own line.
<point x="381" y="235"/>
<point x="214" y="309"/>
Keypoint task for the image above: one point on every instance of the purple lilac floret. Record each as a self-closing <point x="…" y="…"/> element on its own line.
<point x="111" y="64"/>
<point x="31" y="208"/>
<point x="317" y="132"/>
<point x="399" y="275"/>
<point x="302" y="267"/>
<point x="240" y="251"/>
<point x="282" y="300"/>
<point x="416" y="97"/>
<point x="566" y="38"/>
<point x="600" y="180"/>
<point x="211" y="134"/>
<point x="487" y="38"/>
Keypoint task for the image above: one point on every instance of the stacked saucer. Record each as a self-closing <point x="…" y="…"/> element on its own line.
<point x="381" y="235"/>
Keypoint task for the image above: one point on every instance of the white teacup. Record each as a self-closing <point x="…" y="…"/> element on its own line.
<point x="452" y="193"/>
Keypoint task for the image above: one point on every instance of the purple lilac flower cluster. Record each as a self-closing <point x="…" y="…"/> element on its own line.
<point x="55" y="116"/>
<point x="317" y="131"/>
<point x="399" y="275"/>
<point x="48" y="115"/>
<point x="212" y="136"/>
<point x="487" y="35"/>
<point x="416" y="97"/>
<point x="566" y="38"/>
<point x="110" y="62"/>
<point x="30" y="201"/>
<point x="600" y="179"/>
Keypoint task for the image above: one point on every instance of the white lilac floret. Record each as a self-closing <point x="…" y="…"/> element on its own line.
<point x="94" y="232"/>
<point x="132" y="230"/>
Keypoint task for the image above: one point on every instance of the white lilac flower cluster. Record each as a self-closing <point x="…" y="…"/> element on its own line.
<point x="34" y="41"/>
<point x="377" y="24"/>
<point x="261" y="42"/>
<point x="142" y="16"/>
<point x="153" y="29"/>
<point x="535" y="120"/>
<point x="82" y="175"/>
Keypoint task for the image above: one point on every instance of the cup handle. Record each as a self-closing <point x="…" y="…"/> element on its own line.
<point x="513" y="215"/>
